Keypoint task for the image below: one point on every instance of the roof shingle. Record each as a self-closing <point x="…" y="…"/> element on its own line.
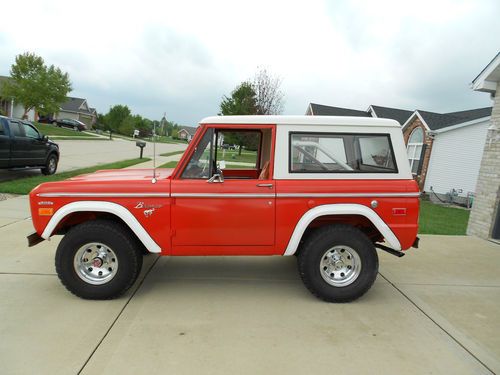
<point x="325" y="110"/>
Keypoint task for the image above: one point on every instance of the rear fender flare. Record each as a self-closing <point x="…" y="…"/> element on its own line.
<point x="340" y="209"/>
<point x="109" y="207"/>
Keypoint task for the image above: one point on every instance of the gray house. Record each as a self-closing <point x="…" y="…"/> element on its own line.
<point x="484" y="220"/>
<point x="77" y="109"/>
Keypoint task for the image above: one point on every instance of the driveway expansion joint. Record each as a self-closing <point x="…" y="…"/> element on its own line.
<point x="117" y="317"/>
<point x="437" y="324"/>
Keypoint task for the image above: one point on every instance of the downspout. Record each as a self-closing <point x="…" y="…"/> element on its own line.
<point x="11" y="108"/>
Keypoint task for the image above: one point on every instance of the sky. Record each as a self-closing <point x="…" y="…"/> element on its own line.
<point x="182" y="57"/>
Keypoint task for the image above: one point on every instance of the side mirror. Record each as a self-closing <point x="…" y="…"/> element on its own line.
<point x="44" y="138"/>
<point x="217" y="177"/>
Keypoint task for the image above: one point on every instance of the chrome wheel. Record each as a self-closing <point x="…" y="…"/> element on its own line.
<point x="52" y="165"/>
<point x="340" y="266"/>
<point x="95" y="263"/>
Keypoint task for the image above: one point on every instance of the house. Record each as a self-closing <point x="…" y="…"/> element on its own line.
<point x="400" y="115"/>
<point x="77" y="109"/>
<point x="444" y="149"/>
<point x="9" y="107"/>
<point x="186" y="133"/>
<point x="484" y="220"/>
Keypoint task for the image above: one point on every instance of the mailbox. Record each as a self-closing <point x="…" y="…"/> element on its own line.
<point x="141" y="145"/>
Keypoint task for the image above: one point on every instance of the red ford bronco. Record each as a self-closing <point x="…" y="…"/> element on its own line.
<point x="329" y="190"/>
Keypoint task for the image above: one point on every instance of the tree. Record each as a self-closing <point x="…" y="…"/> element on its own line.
<point x="37" y="86"/>
<point x="116" y="116"/>
<point x="268" y="96"/>
<point x="242" y="101"/>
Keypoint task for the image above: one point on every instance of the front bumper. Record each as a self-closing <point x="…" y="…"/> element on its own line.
<point x="34" y="239"/>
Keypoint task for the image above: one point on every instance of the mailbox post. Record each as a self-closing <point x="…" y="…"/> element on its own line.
<point x="141" y="145"/>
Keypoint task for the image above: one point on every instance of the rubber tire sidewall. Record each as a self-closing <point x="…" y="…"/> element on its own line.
<point x="45" y="170"/>
<point x="116" y="238"/>
<point x="324" y="239"/>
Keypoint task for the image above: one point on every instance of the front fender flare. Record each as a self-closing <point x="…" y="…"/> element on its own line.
<point x="109" y="207"/>
<point x="340" y="209"/>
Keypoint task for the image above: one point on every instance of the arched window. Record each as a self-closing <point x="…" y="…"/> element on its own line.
<point x="415" y="144"/>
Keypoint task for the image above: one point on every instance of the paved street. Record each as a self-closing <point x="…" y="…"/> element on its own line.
<point x="437" y="310"/>
<point x="79" y="154"/>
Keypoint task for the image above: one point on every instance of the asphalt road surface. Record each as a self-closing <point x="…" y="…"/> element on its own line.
<point x="77" y="154"/>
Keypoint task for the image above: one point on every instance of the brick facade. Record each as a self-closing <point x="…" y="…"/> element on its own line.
<point x="427" y="155"/>
<point x="486" y="203"/>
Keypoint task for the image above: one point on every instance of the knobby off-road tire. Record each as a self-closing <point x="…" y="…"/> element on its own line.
<point x="50" y="165"/>
<point x="338" y="263"/>
<point x="98" y="259"/>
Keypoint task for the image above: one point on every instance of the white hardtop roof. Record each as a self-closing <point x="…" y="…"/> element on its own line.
<point x="302" y="120"/>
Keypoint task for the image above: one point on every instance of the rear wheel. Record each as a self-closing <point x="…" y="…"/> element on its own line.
<point x="98" y="260"/>
<point x="50" y="165"/>
<point x="338" y="263"/>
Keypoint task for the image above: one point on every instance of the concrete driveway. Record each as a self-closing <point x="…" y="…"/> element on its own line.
<point x="79" y="154"/>
<point x="437" y="310"/>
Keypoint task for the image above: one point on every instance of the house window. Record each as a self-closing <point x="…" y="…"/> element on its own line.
<point x="415" y="145"/>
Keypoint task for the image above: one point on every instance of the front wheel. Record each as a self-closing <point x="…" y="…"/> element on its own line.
<point x="98" y="260"/>
<point x="338" y="263"/>
<point x="50" y="165"/>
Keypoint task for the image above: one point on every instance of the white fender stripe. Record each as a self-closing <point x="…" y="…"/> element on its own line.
<point x="340" y="209"/>
<point x="112" y="208"/>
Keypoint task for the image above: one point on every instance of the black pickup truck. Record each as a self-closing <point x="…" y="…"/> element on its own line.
<point x="22" y="146"/>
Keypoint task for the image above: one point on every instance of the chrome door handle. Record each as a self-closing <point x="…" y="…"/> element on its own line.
<point x="265" y="185"/>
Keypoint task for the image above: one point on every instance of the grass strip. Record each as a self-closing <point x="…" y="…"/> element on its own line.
<point x="169" y="164"/>
<point x="172" y="153"/>
<point x="25" y="185"/>
<point x="437" y="219"/>
<point x="56" y="138"/>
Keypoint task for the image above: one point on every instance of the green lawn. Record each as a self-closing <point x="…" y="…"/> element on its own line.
<point x="169" y="164"/>
<point x="232" y="156"/>
<point x="48" y="129"/>
<point x="25" y="185"/>
<point x="91" y="138"/>
<point x="172" y="153"/>
<point x="436" y="219"/>
<point x="163" y="139"/>
<point x="173" y="164"/>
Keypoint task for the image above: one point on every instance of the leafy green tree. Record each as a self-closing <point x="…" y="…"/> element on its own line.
<point x="241" y="102"/>
<point x="127" y="126"/>
<point x="35" y="85"/>
<point x="116" y="116"/>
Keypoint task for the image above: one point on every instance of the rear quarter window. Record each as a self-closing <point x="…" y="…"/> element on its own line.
<point x="15" y="129"/>
<point x="341" y="153"/>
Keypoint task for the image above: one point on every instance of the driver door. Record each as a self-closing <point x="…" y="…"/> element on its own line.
<point x="212" y="213"/>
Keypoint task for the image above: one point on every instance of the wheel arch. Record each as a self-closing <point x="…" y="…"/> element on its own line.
<point x="339" y="211"/>
<point x="110" y="209"/>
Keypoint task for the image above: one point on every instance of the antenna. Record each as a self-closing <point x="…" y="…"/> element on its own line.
<point x="153" y="181"/>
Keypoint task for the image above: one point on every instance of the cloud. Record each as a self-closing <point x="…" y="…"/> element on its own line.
<point x="182" y="57"/>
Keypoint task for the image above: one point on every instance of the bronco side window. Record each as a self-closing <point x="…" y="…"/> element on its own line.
<point x="341" y="153"/>
<point x="234" y="153"/>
